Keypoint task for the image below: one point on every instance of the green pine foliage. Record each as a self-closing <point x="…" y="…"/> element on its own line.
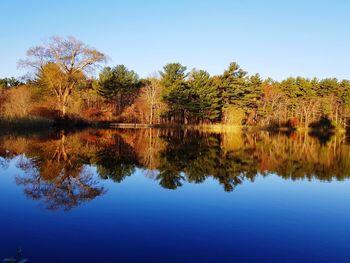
<point x="116" y="85"/>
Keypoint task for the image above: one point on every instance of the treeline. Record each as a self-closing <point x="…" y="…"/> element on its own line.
<point x="62" y="87"/>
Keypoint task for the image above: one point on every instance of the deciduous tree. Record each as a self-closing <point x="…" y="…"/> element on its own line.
<point x="66" y="59"/>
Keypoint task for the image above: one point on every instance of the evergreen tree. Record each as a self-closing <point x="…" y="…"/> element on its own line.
<point x="116" y="83"/>
<point x="206" y="106"/>
<point x="176" y="92"/>
<point x="233" y="85"/>
<point x="10" y="82"/>
<point x="252" y="97"/>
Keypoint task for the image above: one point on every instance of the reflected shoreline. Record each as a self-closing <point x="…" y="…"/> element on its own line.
<point x="55" y="164"/>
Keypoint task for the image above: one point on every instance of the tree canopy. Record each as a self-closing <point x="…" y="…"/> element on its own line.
<point x="59" y="63"/>
<point x="63" y="67"/>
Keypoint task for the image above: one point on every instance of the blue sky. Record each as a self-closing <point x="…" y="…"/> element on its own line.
<point x="275" y="38"/>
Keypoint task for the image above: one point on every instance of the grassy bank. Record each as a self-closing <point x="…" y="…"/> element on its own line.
<point x="215" y="128"/>
<point x="31" y="124"/>
<point x="220" y="127"/>
<point x="26" y="126"/>
<point x="40" y="125"/>
<point x="24" y="123"/>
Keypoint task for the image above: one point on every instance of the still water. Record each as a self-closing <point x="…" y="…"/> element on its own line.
<point x="151" y="195"/>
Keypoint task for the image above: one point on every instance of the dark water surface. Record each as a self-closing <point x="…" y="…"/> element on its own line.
<point x="175" y="196"/>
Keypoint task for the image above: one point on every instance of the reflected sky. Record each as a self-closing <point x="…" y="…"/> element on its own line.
<point x="274" y="214"/>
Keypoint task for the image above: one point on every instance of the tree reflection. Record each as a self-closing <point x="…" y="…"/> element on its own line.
<point x="58" y="178"/>
<point x="64" y="192"/>
<point x="56" y="169"/>
<point x="200" y="157"/>
<point x="116" y="161"/>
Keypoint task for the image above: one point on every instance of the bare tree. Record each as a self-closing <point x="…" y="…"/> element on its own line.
<point x="151" y="92"/>
<point x="60" y="63"/>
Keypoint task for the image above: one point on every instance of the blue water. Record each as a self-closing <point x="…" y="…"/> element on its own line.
<point x="174" y="196"/>
<point x="269" y="220"/>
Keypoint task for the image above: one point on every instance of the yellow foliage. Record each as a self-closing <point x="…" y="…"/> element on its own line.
<point x="16" y="103"/>
<point x="233" y="116"/>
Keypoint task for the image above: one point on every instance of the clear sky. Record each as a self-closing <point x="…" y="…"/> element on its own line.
<point x="274" y="38"/>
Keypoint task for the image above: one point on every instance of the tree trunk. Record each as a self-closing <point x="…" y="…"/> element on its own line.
<point x="62" y="106"/>
<point x="119" y="104"/>
<point x="151" y="115"/>
<point x="336" y="115"/>
<point x="63" y="110"/>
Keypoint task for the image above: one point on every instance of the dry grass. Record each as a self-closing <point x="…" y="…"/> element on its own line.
<point x="217" y="128"/>
<point x="25" y="123"/>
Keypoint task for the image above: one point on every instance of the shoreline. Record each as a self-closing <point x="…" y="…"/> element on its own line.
<point x="223" y="128"/>
<point x="42" y="123"/>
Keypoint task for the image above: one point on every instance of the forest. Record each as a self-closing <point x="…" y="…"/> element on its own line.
<point x="62" y="85"/>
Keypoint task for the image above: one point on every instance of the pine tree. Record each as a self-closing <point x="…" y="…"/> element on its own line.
<point x="116" y="83"/>
<point x="233" y="85"/>
<point x="206" y="106"/>
<point x="176" y="92"/>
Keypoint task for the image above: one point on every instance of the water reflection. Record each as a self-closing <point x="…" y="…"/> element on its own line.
<point x="57" y="169"/>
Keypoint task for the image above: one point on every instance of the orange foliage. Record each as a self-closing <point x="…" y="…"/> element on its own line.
<point x="45" y="113"/>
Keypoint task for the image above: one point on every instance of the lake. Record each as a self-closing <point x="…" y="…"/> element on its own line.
<point x="156" y="195"/>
